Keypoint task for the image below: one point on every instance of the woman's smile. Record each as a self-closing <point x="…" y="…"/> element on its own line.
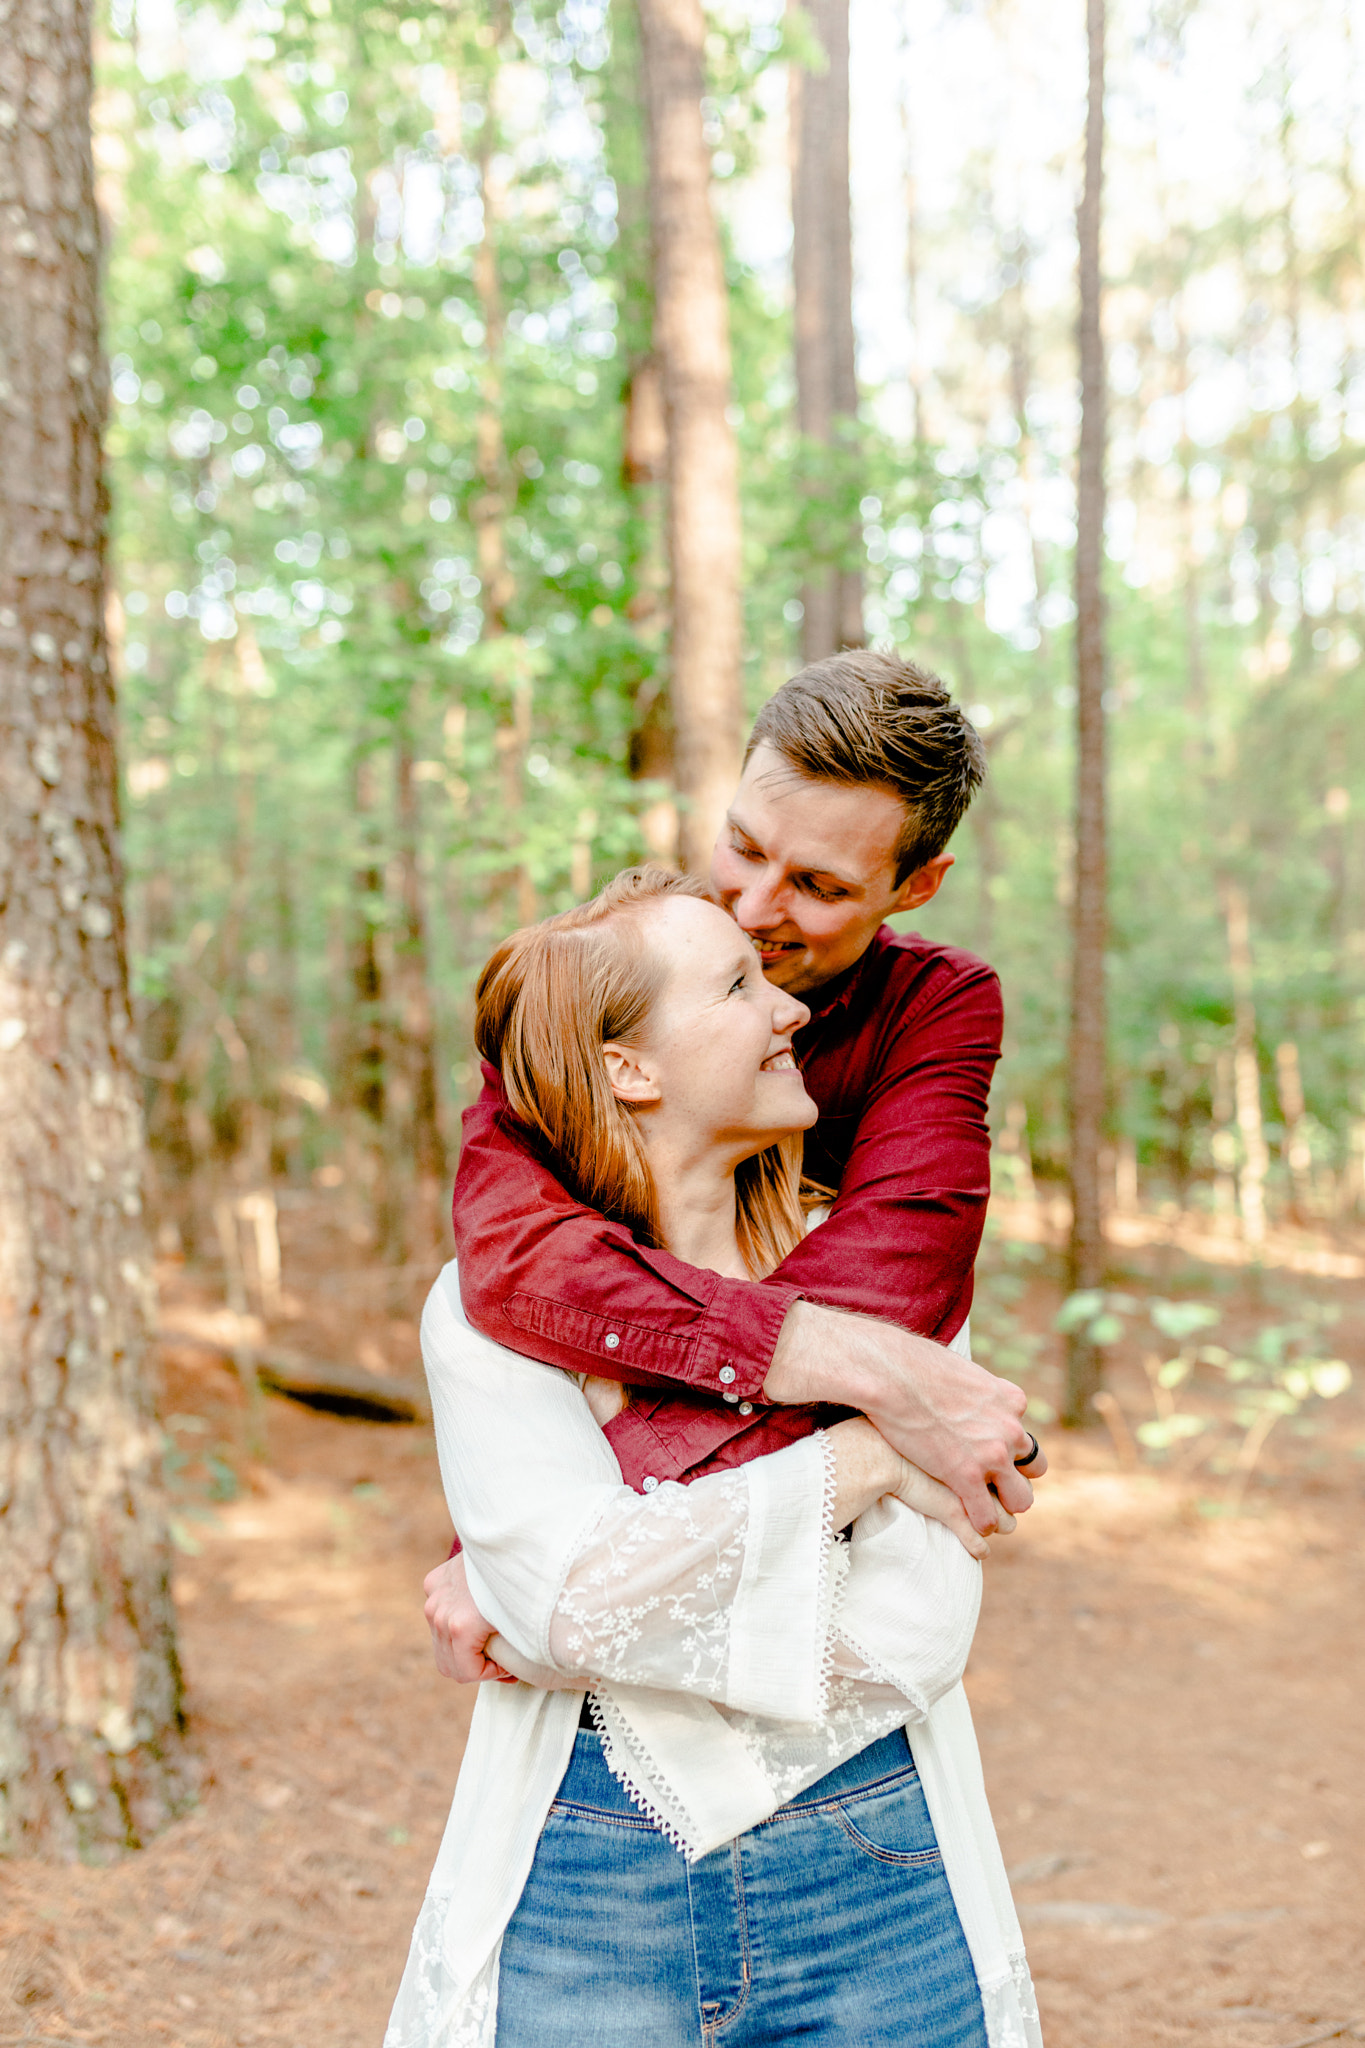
<point x="780" y="1062"/>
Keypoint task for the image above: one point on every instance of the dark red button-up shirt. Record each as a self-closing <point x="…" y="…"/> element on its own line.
<point x="898" y="1055"/>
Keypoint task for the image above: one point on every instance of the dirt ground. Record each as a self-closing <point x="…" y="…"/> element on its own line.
<point x="1167" y="1696"/>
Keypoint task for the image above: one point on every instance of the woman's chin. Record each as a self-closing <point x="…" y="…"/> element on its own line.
<point x="791" y="1108"/>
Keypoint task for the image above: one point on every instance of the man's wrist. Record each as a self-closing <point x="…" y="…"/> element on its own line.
<point x="822" y="1354"/>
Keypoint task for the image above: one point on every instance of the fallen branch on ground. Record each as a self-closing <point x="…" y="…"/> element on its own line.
<point x="336" y="1389"/>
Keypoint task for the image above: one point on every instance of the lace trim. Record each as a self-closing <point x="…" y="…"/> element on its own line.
<point x="1010" y="2007"/>
<point x="833" y="1580"/>
<point x="429" y="2012"/>
<point x="637" y="1773"/>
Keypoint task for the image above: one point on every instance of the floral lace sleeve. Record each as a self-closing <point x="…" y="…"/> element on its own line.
<point x="687" y="1588"/>
<point x="648" y="1600"/>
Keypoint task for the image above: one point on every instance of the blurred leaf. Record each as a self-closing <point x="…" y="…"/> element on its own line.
<point x="1159" y="1436"/>
<point x="1332" y="1376"/>
<point x="1180" y="1319"/>
<point x="1078" y="1309"/>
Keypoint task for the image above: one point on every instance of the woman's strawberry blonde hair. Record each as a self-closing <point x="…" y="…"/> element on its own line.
<point x="550" y="998"/>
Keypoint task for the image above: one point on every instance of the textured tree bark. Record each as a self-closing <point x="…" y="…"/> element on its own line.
<point x="822" y="276"/>
<point x="1088" y="1065"/>
<point x="91" y="1755"/>
<point x="644" y="430"/>
<point x="692" y="334"/>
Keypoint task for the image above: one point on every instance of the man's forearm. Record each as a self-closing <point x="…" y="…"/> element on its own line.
<point x="956" y="1421"/>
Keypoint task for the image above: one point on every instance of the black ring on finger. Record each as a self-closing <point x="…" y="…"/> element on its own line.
<point x="1020" y="1463"/>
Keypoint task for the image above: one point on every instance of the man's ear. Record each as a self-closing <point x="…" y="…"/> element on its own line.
<point x="924" y="883"/>
<point x="628" y="1074"/>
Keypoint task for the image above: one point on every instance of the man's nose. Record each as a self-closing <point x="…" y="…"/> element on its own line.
<point x="757" y="906"/>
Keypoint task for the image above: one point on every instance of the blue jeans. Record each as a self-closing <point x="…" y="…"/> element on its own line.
<point x="831" y="1923"/>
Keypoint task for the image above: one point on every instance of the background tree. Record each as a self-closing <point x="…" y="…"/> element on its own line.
<point x="822" y="323"/>
<point x="90" y="1697"/>
<point x="299" y="356"/>
<point x="1089" y="1065"/>
<point x="692" y="331"/>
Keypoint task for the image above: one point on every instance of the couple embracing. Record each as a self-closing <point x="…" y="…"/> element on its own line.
<point x="721" y="1465"/>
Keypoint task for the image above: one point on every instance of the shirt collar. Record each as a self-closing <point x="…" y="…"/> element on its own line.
<point x="839" y="993"/>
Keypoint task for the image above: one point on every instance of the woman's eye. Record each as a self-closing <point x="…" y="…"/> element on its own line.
<point x="741" y="981"/>
<point x="745" y="852"/>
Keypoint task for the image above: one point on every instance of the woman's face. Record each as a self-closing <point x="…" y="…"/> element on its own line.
<point x="715" y="1061"/>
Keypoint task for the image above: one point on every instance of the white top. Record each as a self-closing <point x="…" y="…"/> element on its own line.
<point x="736" y="1652"/>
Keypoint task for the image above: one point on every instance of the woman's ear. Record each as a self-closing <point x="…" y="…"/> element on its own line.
<point x="629" y="1074"/>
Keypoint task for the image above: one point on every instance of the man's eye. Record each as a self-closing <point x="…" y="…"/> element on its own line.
<point x="740" y="981"/>
<point x="813" y="888"/>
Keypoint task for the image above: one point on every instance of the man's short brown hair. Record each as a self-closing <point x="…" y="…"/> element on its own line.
<point x="866" y="717"/>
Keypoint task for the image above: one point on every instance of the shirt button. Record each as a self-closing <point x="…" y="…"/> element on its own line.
<point x="725" y="1375"/>
<point x="729" y="1397"/>
<point x="746" y="1407"/>
<point x="650" y="1485"/>
<point x="612" y="1340"/>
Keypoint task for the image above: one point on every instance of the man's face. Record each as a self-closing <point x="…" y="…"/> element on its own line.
<point x="807" y="868"/>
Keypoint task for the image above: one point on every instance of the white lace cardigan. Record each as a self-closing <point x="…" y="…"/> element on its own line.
<point x="735" y="1651"/>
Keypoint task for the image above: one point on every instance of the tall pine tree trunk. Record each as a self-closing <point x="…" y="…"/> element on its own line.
<point x="822" y="275"/>
<point x="90" y="1694"/>
<point x="514" y="888"/>
<point x="692" y="331"/>
<point x="644" y="433"/>
<point x="1088" y="1064"/>
<point x="419" y="1142"/>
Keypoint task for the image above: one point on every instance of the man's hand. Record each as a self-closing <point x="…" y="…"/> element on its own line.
<point x="459" y="1633"/>
<point x="957" y="1422"/>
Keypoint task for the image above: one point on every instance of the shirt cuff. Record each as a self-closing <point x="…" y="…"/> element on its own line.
<point x="727" y="1351"/>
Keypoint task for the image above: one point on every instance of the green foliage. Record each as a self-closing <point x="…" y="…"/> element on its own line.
<point x="303" y="379"/>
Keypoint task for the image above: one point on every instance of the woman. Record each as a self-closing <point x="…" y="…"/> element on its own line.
<point x="750" y="1677"/>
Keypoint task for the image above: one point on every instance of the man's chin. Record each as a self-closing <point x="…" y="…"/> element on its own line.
<point x="793" y="971"/>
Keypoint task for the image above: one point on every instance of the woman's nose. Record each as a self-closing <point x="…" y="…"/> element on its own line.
<point x="790" y="1013"/>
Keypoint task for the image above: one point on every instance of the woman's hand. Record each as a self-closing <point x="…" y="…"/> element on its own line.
<point x="468" y="1648"/>
<point x="866" y="1468"/>
<point x="931" y="1497"/>
<point x="460" y="1636"/>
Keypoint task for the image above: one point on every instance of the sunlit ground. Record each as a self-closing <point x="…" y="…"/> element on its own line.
<point x="1166" y="1691"/>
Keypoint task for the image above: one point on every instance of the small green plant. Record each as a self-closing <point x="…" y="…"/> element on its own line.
<point x="1275" y="1377"/>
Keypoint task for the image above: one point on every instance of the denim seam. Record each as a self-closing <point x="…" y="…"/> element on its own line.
<point x="607" y="1819"/>
<point x="854" y="1793"/>
<point x="713" y="2029"/>
<point x="913" y="1859"/>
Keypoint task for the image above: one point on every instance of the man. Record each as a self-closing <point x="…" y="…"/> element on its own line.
<point x="857" y="774"/>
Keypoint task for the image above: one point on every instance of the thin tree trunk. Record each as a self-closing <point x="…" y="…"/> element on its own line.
<point x="822" y="277"/>
<point x="914" y="362"/>
<point x="1254" y="1159"/>
<point x="91" y="1756"/>
<point x="1298" y="1156"/>
<point x="366" y="1068"/>
<point x="644" y="429"/>
<point x="1088" y="1065"/>
<point x="692" y="332"/>
<point x="421" y="1143"/>
<point x="514" y="886"/>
